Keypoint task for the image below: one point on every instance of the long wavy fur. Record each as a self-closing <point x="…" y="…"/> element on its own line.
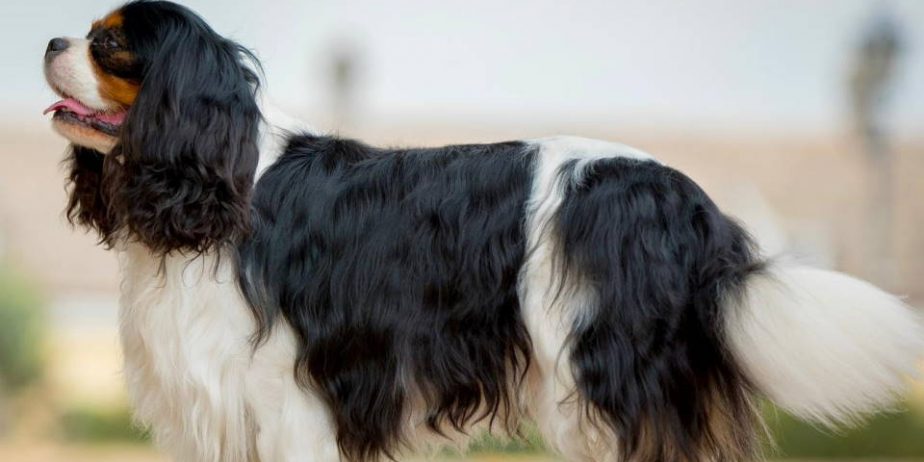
<point x="181" y="176"/>
<point x="397" y="270"/>
<point x="86" y="204"/>
<point x="649" y="356"/>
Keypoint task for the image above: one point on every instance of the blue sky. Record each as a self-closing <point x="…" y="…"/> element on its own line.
<point x="756" y="65"/>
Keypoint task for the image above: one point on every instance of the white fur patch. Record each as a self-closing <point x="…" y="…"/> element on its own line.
<point x="292" y="424"/>
<point x="185" y="336"/>
<point x="71" y="72"/>
<point x="823" y="345"/>
<point x="193" y="376"/>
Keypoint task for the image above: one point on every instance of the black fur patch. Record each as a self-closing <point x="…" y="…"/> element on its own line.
<point x="86" y="204"/>
<point x="398" y="271"/>
<point x="649" y="356"/>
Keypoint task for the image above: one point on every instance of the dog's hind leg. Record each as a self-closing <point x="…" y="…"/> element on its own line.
<point x="552" y="398"/>
<point x="549" y="313"/>
<point x="557" y="410"/>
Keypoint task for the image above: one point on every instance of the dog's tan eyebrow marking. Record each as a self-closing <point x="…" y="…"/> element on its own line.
<point x="111" y="21"/>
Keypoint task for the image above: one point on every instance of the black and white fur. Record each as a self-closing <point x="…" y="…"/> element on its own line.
<point x="289" y="296"/>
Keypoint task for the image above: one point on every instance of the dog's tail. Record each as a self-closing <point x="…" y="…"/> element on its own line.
<point x="823" y="345"/>
<point x="685" y="323"/>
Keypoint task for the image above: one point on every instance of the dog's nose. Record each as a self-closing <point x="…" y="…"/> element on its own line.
<point x="55" y="46"/>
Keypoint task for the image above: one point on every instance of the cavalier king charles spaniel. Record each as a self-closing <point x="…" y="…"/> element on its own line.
<point x="292" y="296"/>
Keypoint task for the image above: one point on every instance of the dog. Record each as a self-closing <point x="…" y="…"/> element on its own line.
<point x="291" y="296"/>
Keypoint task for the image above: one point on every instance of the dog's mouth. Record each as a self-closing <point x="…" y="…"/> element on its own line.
<point x="72" y="111"/>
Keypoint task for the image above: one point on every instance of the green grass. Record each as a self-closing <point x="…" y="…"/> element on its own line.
<point x="529" y="442"/>
<point x="897" y="435"/>
<point x="21" y="329"/>
<point x="885" y="436"/>
<point x="94" y="425"/>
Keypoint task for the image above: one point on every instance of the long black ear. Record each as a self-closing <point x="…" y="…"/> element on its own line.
<point x="86" y="204"/>
<point x="181" y="176"/>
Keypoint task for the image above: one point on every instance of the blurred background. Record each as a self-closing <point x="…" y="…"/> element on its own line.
<point x="804" y="119"/>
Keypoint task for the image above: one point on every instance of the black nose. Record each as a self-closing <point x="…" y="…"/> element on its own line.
<point x="55" y="46"/>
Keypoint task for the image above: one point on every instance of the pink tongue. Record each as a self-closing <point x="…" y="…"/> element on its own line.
<point x="72" y="105"/>
<point x="112" y="118"/>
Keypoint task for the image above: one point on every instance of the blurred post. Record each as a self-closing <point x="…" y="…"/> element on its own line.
<point x="344" y="67"/>
<point x="870" y="85"/>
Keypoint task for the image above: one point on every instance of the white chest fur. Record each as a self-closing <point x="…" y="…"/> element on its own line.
<point x="194" y="377"/>
<point x="184" y="330"/>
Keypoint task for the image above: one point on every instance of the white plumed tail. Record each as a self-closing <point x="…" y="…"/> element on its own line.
<point x="823" y="345"/>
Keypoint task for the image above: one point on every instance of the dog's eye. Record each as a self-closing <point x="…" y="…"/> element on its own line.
<point x="108" y="43"/>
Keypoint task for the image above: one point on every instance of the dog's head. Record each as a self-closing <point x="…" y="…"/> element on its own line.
<point x="162" y="114"/>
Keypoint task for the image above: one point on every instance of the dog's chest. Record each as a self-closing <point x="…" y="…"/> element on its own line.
<point x="185" y="336"/>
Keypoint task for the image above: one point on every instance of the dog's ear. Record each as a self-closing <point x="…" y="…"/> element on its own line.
<point x="86" y="205"/>
<point x="181" y="175"/>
